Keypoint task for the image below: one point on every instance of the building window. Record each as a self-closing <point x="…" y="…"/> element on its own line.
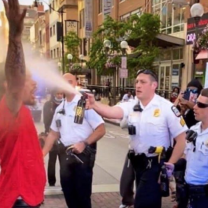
<point x="54" y="53"/>
<point x="125" y="17"/>
<point x="51" y="53"/>
<point x="40" y="38"/>
<point x="50" y="10"/>
<point x="51" y="32"/>
<point x="100" y="6"/>
<point x="172" y="19"/>
<point x="54" y="32"/>
<point x="57" y="52"/>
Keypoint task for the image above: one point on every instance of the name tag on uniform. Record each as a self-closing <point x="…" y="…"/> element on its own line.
<point x="157" y="113"/>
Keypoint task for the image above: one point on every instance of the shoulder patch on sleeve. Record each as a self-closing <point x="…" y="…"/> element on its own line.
<point x="176" y="111"/>
<point x="182" y="121"/>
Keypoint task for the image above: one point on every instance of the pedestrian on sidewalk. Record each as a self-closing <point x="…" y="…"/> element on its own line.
<point x="127" y="177"/>
<point x="78" y="152"/>
<point x="150" y="124"/>
<point x="22" y="177"/>
<point x="48" y="112"/>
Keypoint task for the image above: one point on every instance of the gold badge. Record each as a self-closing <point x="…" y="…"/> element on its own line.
<point x="157" y="113"/>
<point x="182" y="122"/>
<point x="206" y="142"/>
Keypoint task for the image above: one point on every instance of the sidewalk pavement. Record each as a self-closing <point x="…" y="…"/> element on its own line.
<point x="99" y="200"/>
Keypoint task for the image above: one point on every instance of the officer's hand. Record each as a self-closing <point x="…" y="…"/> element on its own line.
<point x="170" y="169"/>
<point x="183" y="101"/>
<point x="90" y="101"/>
<point x="78" y="147"/>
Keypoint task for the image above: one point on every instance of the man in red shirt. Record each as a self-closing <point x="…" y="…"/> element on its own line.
<point x="22" y="178"/>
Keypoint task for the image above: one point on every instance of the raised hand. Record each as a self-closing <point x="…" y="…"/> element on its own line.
<point x="15" y="18"/>
<point x="90" y="101"/>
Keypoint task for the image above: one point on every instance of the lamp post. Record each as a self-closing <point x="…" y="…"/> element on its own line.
<point x="70" y="57"/>
<point x="123" y="46"/>
<point x="197" y="12"/>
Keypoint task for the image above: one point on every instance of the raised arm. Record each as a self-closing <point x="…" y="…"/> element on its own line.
<point x="15" y="64"/>
<point x="106" y="111"/>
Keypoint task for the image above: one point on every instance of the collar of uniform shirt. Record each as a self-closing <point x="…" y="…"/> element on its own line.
<point x="152" y="102"/>
<point x="75" y="99"/>
<point x="197" y="128"/>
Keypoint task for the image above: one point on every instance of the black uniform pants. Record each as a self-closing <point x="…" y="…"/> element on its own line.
<point x="127" y="183"/>
<point x="76" y="182"/>
<point x="198" y="196"/>
<point x="148" y="193"/>
<point x="21" y="204"/>
<point x="53" y="154"/>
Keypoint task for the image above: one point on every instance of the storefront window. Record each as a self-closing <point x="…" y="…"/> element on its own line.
<point x="172" y="19"/>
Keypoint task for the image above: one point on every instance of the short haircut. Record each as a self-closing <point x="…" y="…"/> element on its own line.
<point x="149" y="72"/>
<point x="204" y="92"/>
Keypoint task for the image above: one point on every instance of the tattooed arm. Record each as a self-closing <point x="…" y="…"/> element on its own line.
<point x="15" y="63"/>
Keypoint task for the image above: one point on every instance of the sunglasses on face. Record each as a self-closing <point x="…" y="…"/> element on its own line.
<point x="192" y="90"/>
<point x="201" y="105"/>
<point x="149" y="72"/>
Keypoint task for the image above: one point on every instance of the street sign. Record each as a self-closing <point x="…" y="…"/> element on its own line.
<point x="123" y="62"/>
<point x="123" y="73"/>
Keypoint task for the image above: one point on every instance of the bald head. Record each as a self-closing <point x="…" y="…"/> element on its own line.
<point x="70" y="78"/>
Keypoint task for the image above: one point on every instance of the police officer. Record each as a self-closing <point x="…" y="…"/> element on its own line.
<point x="196" y="156"/>
<point x="77" y="156"/>
<point x="48" y="112"/>
<point x="152" y="121"/>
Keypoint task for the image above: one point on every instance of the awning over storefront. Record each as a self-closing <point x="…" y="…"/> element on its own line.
<point x="202" y="55"/>
<point x="162" y="41"/>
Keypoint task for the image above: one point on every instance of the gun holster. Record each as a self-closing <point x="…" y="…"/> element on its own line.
<point x="91" y="154"/>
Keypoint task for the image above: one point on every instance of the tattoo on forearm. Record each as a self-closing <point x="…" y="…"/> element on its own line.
<point x="15" y="65"/>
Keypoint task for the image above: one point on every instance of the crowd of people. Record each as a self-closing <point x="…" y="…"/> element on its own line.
<point x="166" y="138"/>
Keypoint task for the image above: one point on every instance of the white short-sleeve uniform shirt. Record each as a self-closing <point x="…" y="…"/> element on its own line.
<point x="155" y="125"/>
<point x="70" y="132"/>
<point x="197" y="158"/>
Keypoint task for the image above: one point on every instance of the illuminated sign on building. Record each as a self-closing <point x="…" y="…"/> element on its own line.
<point x="192" y="30"/>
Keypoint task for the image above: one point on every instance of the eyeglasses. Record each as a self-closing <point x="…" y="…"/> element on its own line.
<point x="147" y="71"/>
<point x="201" y="105"/>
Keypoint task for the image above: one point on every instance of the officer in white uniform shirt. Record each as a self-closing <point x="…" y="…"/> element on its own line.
<point x="77" y="154"/>
<point x="196" y="156"/>
<point x="152" y="122"/>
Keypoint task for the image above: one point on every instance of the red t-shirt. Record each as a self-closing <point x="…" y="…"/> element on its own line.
<point x="21" y="159"/>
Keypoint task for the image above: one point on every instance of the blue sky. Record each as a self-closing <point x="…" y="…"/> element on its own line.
<point x="25" y="2"/>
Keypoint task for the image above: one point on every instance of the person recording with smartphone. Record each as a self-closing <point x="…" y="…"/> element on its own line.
<point x="186" y="101"/>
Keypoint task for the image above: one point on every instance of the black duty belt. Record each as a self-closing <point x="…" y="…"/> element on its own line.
<point x="197" y="189"/>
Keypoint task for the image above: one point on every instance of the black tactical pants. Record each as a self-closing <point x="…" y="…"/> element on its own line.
<point x="148" y="193"/>
<point x="127" y="183"/>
